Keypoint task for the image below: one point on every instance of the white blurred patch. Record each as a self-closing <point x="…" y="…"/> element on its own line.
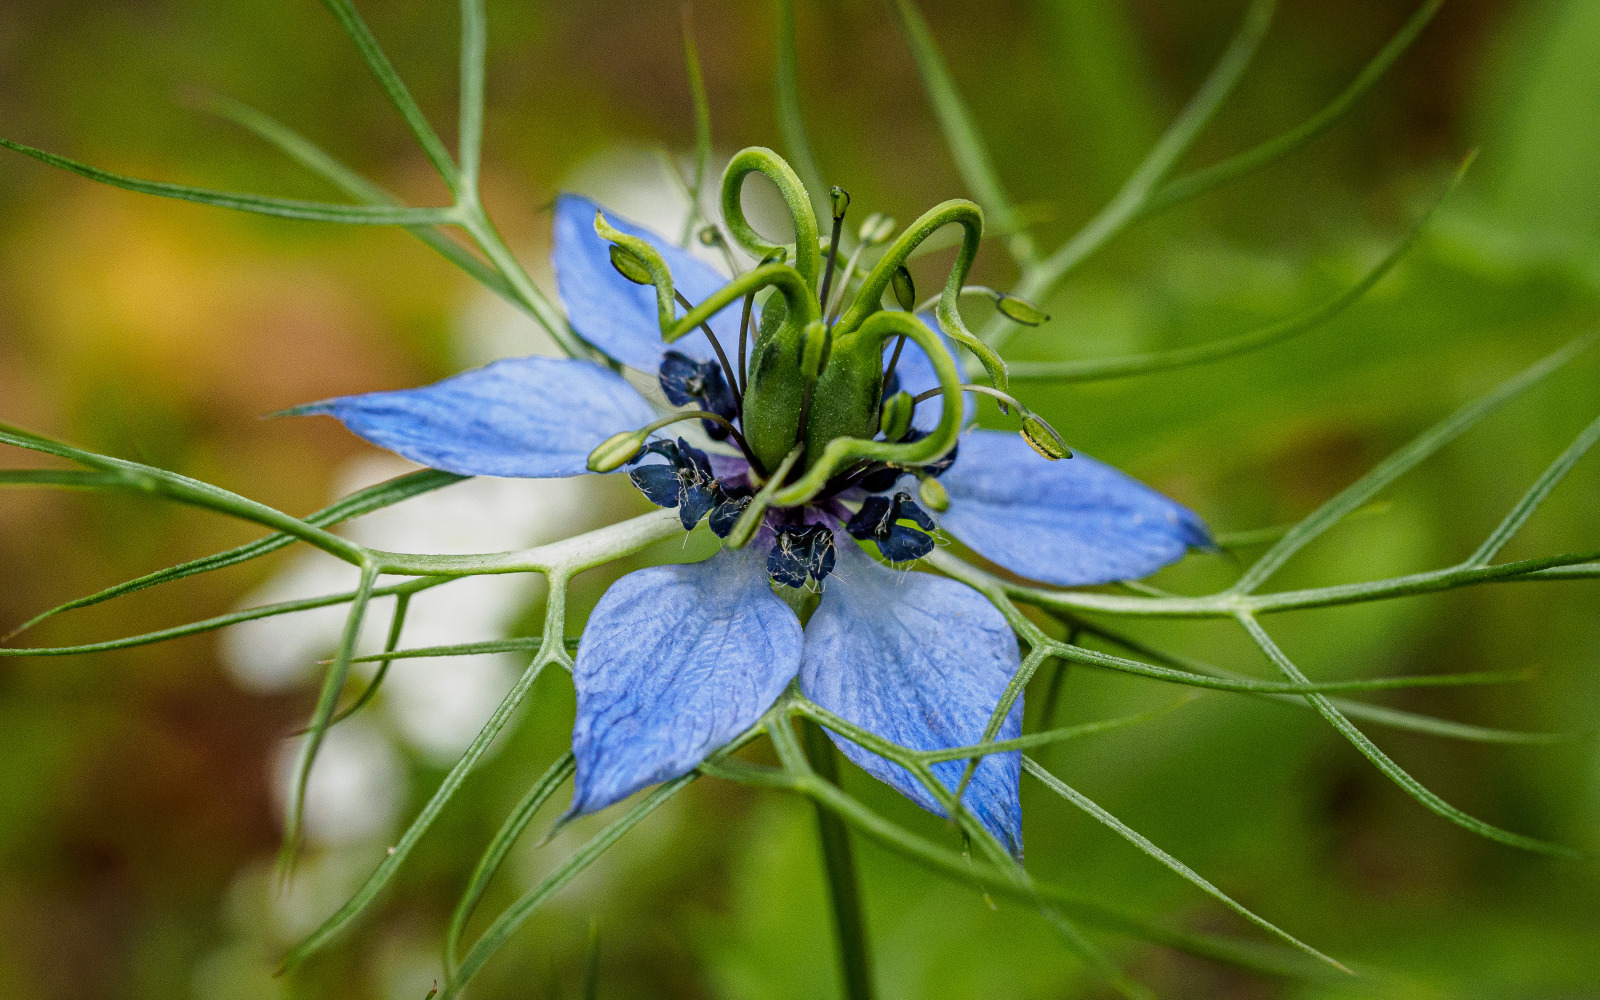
<point x="356" y="789"/>
<point x="437" y="703"/>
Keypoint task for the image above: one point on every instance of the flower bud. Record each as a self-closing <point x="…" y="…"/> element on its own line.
<point x="933" y="493"/>
<point x="1020" y="310"/>
<point x="896" y="417"/>
<point x="840" y="199"/>
<point x="711" y="236"/>
<point x="616" y="451"/>
<point x="876" y="229"/>
<point x="1042" y="438"/>
<point x="905" y="290"/>
<point x="629" y="266"/>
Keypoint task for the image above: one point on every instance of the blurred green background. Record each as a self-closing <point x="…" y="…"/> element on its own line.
<point x="137" y="814"/>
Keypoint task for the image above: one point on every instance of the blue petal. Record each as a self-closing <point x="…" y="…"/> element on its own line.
<point x="1071" y="522"/>
<point x="613" y="313"/>
<point x="915" y="374"/>
<point x="527" y="418"/>
<point x="675" y="662"/>
<point x="922" y="661"/>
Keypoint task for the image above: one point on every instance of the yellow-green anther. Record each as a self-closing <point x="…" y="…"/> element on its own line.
<point x="840" y="200"/>
<point x="932" y="492"/>
<point x="896" y="418"/>
<point x="876" y="229"/>
<point x="1020" y="310"/>
<point x="1042" y="438"/>
<point x="905" y="290"/>
<point x="629" y="266"/>
<point x="616" y="451"/>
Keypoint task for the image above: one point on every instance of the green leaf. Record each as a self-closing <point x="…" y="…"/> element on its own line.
<point x="260" y="204"/>
<point x="1038" y="281"/>
<point x="1048" y="737"/>
<point x="69" y="478"/>
<point x="322" y="717"/>
<point x="1411" y="786"/>
<point x="518" y="645"/>
<point x="702" y="127"/>
<point x="1380" y="714"/>
<point x="1398" y="464"/>
<point x="496" y="852"/>
<point x="402" y="605"/>
<point x="306" y="153"/>
<point x="507" y="923"/>
<point x="1535" y="496"/>
<point x="182" y="489"/>
<point x="1144" y="844"/>
<point x="1192" y="184"/>
<point x="223" y="621"/>
<point x="365" y="501"/>
<point x="474" y="43"/>
<point x="961" y="133"/>
<point x="383" y="71"/>
<point x="791" y="121"/>
<point x="1094" y="658"/>
<point x="1101" y="369"/>
<point x="402" y="849"/>
<point x="1270" y="959"/>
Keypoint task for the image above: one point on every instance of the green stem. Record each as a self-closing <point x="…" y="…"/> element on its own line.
<point x="849" y="920"/>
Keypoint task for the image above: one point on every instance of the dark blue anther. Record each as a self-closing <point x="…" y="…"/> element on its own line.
<point x="684" y="481"/>
<point x="799" y="553"/>
<point x="730" y="504"/>
<point x="880" y="520"/>
<point x="686" y="381"/>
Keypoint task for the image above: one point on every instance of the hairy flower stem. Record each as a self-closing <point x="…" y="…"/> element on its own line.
<point x="844" y="890"/>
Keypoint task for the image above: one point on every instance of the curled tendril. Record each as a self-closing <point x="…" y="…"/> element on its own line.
<point x="760" y="160"/>
<point x="646" y="255"/>
<point x="957" y="211"/>
<point x="790" y="284"/>
<point x="787" y="280"/>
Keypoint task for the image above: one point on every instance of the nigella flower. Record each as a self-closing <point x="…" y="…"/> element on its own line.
<point x="677" y="660"/>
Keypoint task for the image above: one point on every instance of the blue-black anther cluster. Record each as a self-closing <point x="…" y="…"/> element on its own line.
<point x="685" y="481"/>
<point x="882" y="520"/>
<point x="686" y="380"/>
<point x="802" y="552"/>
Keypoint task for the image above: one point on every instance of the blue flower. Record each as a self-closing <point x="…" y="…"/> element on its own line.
<point x="677" y="660"/>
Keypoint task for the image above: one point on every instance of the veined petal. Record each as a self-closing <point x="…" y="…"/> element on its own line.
<point x="915" y="374"/>
<point x="675" y="662"/>
<point x="922" y="661"/>
<point x="529" y="418"/>
<point x="613" y="313"/>
<point x="1070" y="522"/>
